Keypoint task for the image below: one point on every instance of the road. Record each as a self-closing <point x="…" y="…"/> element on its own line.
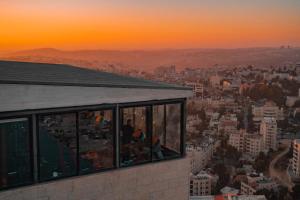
<point x="281" y="176"/>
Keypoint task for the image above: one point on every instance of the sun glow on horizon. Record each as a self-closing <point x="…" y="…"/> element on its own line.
<point x="133" y="24"/>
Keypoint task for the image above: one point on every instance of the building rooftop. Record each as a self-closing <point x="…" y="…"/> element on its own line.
<point x="12" y="72"/>
<point x="31" y="86"/>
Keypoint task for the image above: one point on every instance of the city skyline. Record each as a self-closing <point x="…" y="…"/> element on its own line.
<point x="134" y="24"/>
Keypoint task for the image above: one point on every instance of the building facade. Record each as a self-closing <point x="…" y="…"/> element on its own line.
<point x="202" y="184"/>
<point x="268" y="129"/>
<point x="73" y="133"/>
<point x="296" y="157"/>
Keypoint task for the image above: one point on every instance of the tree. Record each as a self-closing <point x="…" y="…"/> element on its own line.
<point x="261" y="163"/>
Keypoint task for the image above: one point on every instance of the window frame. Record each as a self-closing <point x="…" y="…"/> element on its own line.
<point x="76" y="111"/>
<point x="33" y="128"/>
<point x="150" y="104"/>
<point x="31" y="147"/>
<point x="114" y="118"/>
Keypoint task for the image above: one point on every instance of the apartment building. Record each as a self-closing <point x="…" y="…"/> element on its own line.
<point x="202" y="184"/>
<point x="227" y="124"/>
<point x="268" y="129"/>
<point x="198" y="88"/>
<point x="256" y="182"/>
<point x="200" y="155"/>
<point x="269" y="109"/>
<point x="251" y="144"/>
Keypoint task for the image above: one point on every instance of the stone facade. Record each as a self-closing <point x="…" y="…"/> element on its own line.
<point x="162" y="180"/>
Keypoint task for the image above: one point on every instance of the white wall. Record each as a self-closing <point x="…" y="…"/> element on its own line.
<point x="15" y="97"/>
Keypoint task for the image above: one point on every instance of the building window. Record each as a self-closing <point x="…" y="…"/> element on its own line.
<point x="166" y="139"/>
<point x="15" y="153"/>
<point x="57" y="146"/>
<point x="96" y="140"/>
<point x="135" y="136"/>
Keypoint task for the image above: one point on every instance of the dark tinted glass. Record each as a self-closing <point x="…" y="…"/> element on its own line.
<point x="15" y="160"/>
<point x="166" y="131"/>
<point x="57" y="146"/>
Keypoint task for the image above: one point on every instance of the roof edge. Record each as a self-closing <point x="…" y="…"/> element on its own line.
<point x="93" y="85"/>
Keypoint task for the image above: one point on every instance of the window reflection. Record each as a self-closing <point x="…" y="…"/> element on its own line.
<point x="166" y="131"/>
<point x="135" y="138"/>
<point x="96" y="140"/>
<point x="15" y="165"/>
<point x="173" y="126"/>
<point x="57" y="145"/>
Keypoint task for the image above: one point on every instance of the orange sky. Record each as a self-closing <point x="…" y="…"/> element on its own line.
<point x="143" y="24"/>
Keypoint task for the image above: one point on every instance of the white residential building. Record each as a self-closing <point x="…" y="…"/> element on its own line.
<point x="268" y="129"/>
<point x="269" y="109"/>
<point x="200" y="155"/>
<point x="202" y="184"/>
<point x="247" y="143"/>
<point x="198" y="88"/>
<point x="237" y="140"/>
<point x="296" y="157"/>
<point x="254" y="144"/>
<point x="255" y="183"/>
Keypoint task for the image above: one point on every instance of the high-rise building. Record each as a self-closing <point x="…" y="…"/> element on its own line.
<point x="268" y="129"/>
<point x="296" y="157"/>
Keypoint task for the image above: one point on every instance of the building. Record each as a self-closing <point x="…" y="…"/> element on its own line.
<point x="229" y="197"/>
<point x="200" y="155"/>
<point x="269" y="109"/>
<point x="227" y="124"/>
<point x="254" y="144"/>
<point x="296" y="157"/>
<point x="237" y="140"/>
<point x="268" y="129"/>
<point x="256" y="182"/>
<point x="229" y="190"/>
<point x="191" y="124"/>
<point x="74" y="133"/>
<point x="251" y="144"/>
<point x="215" y="81"/>
<point x="202" y="184"/>
<point x="198" y="88"/>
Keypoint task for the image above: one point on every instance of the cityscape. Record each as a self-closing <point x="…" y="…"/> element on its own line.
<point x="140" y="100"/>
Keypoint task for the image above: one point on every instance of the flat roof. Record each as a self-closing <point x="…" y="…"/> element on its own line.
<point x="28" y="73"/>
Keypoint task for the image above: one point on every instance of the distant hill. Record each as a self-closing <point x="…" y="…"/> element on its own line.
<point x="149" y="59"/>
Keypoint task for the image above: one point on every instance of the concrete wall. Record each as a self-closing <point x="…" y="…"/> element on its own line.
<point x="14" y="97"/>
<point x="167" y="180"/>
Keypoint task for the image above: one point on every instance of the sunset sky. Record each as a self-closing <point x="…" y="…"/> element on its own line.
<point x="148" y="24"/>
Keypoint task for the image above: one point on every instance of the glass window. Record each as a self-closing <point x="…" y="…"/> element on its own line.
<point x="173" y="127"/>
<point x="57" y="146"/>
<point x="134" y="136"/>
<point x="166" y="131"/>
<point x="96" y="140"/>
<point x="15" y="159"/>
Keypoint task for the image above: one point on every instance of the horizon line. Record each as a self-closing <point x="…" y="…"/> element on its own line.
<point x="146" y="49"/>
